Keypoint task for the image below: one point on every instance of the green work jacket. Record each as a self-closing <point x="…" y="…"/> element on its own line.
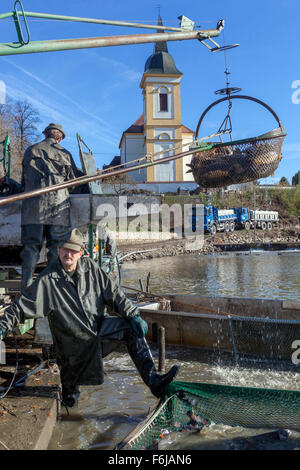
<point x="75" y="312"/>
<point x="45" y="164"/>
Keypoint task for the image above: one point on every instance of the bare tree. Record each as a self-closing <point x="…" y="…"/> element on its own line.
<point x="120" y="184"/>
<point x="25" y="119"/>
<point x="19" y="119"/>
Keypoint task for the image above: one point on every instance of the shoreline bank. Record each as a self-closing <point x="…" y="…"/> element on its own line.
<point x="234" y="241"/>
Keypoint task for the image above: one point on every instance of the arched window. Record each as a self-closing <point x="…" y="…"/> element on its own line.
<point x="163" y="99"/>
<point x="163" y="136"/>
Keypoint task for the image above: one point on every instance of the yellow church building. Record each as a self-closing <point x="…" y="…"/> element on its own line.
<point x="159" y="127"/>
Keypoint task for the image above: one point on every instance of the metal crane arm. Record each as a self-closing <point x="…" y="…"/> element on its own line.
<point x="186" y="31"/>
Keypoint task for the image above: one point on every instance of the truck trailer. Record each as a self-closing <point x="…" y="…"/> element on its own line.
<point x="237" y="218"/>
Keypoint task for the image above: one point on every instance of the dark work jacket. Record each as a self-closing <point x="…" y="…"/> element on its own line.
<point x="9" y="187"/>
<point x="75" y="312"/>
<point x="45" y="164"/>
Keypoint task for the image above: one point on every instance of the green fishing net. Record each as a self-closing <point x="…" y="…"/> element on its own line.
<point x="190" y="406"/>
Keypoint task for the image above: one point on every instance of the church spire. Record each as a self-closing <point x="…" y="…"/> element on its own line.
<point x="162" y="45"/>
<point x="161" y="61"/>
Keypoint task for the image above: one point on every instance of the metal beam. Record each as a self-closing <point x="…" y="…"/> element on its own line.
<point x="77" y="19"/>
<point x="99" y="176"/>
<point x="84" y="43"/>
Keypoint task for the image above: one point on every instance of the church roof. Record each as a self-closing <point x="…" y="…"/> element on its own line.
<point x="161" y="61"/>
<point x="115" y="161"/>
<point x="137" y="127"/>
<point x="186" y="130"/>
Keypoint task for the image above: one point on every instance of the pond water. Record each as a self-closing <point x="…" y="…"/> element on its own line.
<point x="107" y="413"/>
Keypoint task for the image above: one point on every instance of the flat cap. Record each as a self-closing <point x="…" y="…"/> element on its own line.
<point x="75" y="242"/>
<point x="52" y="125"/>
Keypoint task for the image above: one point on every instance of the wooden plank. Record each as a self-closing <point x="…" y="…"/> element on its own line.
<point x="11" y="284"/>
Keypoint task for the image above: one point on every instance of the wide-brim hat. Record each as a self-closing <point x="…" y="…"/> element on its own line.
<point x="52" y="125"/>
<point x="75" y="242"/>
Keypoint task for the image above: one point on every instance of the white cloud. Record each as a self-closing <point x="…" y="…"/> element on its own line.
<point x="51" y="109"/>
<point x="127" y="72"/>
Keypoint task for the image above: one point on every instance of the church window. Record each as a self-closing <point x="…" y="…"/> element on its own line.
<point x="163" y="102"/>
<point x="163" y="136"/>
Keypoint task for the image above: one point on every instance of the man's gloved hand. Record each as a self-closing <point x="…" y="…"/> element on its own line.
<point x="139" y="326"/>
<point x="1" y="334"/>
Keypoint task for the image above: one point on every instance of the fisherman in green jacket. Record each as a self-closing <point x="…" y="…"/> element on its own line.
<point x="73" y="293"/>
<point x="47" y="216"/>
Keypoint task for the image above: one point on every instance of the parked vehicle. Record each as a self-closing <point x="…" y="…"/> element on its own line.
<point x="227" y="220"/>
<point x="261" y="219"/>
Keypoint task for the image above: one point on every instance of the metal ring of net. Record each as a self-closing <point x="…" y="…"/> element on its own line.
<point x="238" y="161"/>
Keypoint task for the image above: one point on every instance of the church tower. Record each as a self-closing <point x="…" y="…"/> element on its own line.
<point x="162" y="112"/>
<point x="159" y="128"/>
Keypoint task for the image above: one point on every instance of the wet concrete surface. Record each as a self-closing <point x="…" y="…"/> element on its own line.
<point x="27" y="413"/>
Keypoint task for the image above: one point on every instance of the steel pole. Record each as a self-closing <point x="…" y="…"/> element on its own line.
<point x="98" y="176"/>
<point x="161" y="349"/>
<point x="87" y="43"/>
<point x="48" y="16"/>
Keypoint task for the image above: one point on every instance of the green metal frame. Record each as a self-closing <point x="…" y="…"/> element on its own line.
<point x="100" y="252"/>
<point x="186" y="31"/>
<point x="91" y="245"/>
<point x="6" y="159"/>
<point x="91" y="241"/>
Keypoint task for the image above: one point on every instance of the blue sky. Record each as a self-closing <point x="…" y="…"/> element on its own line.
<point x="96" y="92"/>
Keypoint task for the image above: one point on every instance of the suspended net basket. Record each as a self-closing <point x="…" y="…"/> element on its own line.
<point x="194" y="407"/>
<point x="239" y="161"/>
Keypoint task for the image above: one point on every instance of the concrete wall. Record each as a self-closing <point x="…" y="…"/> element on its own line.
<point x="10" y="224"/>
<point x="85" y="209"/>
<point x="162" y="188"/>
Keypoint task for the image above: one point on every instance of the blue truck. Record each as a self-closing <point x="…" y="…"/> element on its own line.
<point x="227" y="220"/>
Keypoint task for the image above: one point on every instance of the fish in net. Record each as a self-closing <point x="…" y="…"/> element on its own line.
<point x="237" y="162"/>
<point x="191" y="407"/>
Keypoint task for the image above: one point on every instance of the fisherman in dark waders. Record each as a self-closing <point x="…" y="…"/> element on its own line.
<point x="45" y="217"/>
<point x="73" y="293"/>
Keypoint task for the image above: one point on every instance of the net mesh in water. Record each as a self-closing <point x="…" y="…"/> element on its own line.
<point x="238" y="162"/>
<point x="213" y="403"/>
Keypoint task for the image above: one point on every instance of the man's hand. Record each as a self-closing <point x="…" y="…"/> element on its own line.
<point x="139" y="326"/>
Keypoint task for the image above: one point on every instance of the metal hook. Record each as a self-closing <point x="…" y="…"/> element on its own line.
<point x="18" y="25"/>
